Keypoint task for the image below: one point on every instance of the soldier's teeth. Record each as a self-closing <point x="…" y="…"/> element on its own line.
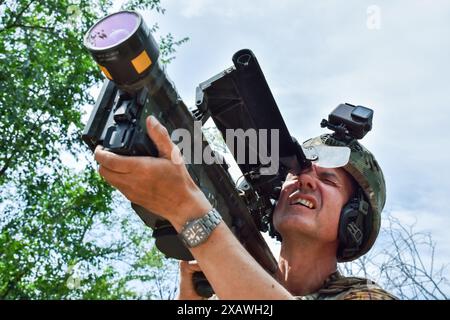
<point x="304" y="202"/>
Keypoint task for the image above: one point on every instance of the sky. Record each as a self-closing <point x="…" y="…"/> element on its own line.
<point x="391" y="57"/>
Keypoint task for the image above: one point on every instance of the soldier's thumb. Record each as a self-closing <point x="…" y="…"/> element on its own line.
<point x="160" y="137"/>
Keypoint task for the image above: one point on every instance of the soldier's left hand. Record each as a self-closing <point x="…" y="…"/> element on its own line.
<point x="162" y="185"/>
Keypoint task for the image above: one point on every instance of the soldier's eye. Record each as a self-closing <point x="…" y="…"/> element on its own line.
<point x="330" y="182"/>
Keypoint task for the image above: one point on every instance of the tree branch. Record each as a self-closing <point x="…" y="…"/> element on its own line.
<point x="19" y="15"/>
<point x="23" y="26"/>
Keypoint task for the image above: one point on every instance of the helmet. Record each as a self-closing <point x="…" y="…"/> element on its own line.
<point x="364" y="210"/>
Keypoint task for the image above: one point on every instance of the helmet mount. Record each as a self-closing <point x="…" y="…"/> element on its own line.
<point x="349" y="122"/>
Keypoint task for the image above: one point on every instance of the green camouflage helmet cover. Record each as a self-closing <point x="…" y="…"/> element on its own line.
<point x="364" y="168"/>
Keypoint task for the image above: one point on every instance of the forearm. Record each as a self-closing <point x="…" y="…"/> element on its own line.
<point x="232" y="271"/>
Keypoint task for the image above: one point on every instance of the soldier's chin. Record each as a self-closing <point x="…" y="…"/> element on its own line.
<point x="290" y="224"/>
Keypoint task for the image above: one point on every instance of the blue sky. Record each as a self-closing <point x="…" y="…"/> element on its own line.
<point x="392" y="57"/>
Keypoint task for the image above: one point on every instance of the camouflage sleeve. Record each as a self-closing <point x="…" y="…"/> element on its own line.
<point x="368" y="292"/>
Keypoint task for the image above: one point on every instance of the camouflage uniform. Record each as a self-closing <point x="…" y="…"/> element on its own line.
<point x="338" y="287"/>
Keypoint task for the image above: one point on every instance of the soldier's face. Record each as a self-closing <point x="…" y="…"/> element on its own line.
<point x="310" y="204"/>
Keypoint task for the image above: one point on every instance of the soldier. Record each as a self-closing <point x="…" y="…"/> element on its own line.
<point x="324" y="216"/>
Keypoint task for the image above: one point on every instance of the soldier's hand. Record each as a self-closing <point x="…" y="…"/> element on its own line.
<point x="161" y="185"/>
<point x="187" y="291"/>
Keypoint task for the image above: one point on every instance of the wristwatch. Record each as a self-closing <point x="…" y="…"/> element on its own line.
<point x="197" y="231"/>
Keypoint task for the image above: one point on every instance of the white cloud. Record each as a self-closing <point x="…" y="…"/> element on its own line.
<point x="193" y="8"/>
<point x="228" y="9"/>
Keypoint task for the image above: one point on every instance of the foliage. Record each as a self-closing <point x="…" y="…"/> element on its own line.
<point x="59" y="236"/>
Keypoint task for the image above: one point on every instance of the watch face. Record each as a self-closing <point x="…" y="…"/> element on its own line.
<point x="195" y="234"/>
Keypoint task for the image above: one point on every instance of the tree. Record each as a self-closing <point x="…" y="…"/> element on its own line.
<point x="59" y="234"/>
<point x="403" y="263"/>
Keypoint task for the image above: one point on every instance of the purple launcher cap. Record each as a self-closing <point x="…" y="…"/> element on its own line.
<point x="112" y="30"/>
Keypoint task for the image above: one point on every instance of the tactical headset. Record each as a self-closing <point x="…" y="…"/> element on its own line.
<point x="353" y="226"/>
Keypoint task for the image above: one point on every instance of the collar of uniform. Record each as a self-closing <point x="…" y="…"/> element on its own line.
<point x="325" y="289"/>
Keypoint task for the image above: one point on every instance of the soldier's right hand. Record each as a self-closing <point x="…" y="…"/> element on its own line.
<point x="187" y="291"/>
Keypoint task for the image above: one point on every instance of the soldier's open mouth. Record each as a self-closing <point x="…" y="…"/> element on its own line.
<point x="306" y="201"/>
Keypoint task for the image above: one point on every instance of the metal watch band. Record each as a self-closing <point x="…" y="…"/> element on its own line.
<point x="211" y="220"/>
<point x="207" y="223"/>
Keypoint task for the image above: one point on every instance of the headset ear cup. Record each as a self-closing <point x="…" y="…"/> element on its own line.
<point x="342" y="229"/>
<point x="351" y="227"/>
